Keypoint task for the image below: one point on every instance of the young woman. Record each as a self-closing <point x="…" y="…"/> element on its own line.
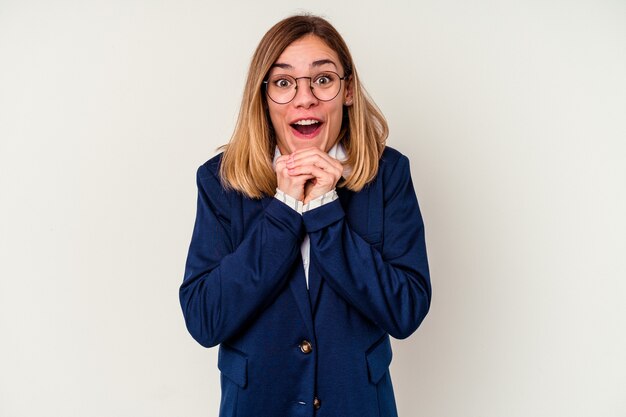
<point x="308" y="248"/>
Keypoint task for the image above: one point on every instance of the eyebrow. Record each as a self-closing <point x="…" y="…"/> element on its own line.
<point x="283" y="66"/>
<point x="321" y="62"/>
<point x="317" y="63"/>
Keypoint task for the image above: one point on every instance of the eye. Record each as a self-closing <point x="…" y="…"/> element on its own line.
<point x="281" y="82"/>
<point x="324" y="80"/>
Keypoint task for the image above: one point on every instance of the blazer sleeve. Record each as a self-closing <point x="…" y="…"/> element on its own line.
<point x="226" y="284"/>
<point x="390" y="286"/>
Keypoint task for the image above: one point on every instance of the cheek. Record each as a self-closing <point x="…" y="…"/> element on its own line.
<point x="277" y="120"/>
<point x="337" y="118"/>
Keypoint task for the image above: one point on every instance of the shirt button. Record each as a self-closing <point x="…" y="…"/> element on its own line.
<point x="305" y="347"/>
<point x="317" y="403"/>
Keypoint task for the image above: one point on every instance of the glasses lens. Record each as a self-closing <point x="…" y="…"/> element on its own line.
<point x="282" y="88"/>
<point x="326" y="85"/>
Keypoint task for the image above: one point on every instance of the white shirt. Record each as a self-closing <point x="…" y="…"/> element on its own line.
<point x="338" y="152"/>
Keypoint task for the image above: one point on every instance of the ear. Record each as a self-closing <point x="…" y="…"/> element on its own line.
<point x="348" y="93"/>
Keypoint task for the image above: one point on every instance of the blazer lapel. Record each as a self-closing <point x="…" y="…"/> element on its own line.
<point x="345" y="196"/>
<point x="315" y="279"/>
<point x="315" y="283"/>
<point x="297" y="285"/>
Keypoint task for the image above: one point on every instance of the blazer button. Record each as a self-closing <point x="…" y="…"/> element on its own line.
<point x="305" y="347"/>
<point x="317" y="403"/>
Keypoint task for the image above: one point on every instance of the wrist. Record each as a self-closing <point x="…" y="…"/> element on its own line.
<point x="315" y="202"/>
<point x="289" y="200"/>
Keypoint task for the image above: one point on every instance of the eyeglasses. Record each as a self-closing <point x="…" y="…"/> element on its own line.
<point x="282" y="88"/>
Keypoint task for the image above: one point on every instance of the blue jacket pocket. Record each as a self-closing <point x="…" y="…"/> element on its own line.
<point x="379" y="359"/>
<point x="233" y="364"/>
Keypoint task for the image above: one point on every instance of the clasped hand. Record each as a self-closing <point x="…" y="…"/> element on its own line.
<point x="307" y="173"/>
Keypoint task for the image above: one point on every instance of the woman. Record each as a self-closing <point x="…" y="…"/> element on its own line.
<point x="308" y="247"/>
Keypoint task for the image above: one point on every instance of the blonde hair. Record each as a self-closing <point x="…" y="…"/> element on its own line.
<point x="246" y="164"/>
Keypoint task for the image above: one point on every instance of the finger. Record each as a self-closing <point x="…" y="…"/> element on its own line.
<point x="297" y="177"/>
<point x="328" y="172"/>
<point x="326" y="163"/>
<point x="281" y="162"/>
<point x="313" y="152"/>
<point x="283" y="158"/>
<point x="323" y="177"/>
<point x="309" y="153"/>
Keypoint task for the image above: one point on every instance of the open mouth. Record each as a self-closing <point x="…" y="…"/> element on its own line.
<point x="307" y="127"/>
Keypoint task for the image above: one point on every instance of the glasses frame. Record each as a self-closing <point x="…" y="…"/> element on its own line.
<point x="266" y="82"/>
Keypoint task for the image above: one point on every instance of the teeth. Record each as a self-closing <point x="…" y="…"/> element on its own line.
<point x="306" y="122"/>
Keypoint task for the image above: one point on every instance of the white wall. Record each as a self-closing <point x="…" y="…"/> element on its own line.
<point x="512" y="113"/>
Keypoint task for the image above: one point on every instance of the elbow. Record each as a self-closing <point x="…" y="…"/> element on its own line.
<point x="406" y="330"/>
<point x="197" y="321"/>
<point x="201" y="337"/>
<point x="198" y="329"/>
<point x="411" y="321"/>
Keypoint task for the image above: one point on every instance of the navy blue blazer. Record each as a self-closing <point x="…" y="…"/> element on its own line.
<point x="285" y="351"/>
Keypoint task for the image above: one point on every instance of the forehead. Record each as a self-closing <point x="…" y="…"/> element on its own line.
<point x="307" y="52"/>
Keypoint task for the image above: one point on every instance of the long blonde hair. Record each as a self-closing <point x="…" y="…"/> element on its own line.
<point x="247" y="161"/>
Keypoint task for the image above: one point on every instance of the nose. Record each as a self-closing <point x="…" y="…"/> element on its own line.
<point x="304" y="95"/>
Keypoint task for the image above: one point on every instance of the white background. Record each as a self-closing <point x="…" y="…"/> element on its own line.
<point x="512" y="114"/>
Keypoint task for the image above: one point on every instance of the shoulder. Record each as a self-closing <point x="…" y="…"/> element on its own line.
<point x="208" y="176"/>
<point x="394" y="175"/>
<point x="211" y="168"/>
<point x="392" y="163"/>
<point x="210" y="187"/>
<point x="390" y="155"/>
